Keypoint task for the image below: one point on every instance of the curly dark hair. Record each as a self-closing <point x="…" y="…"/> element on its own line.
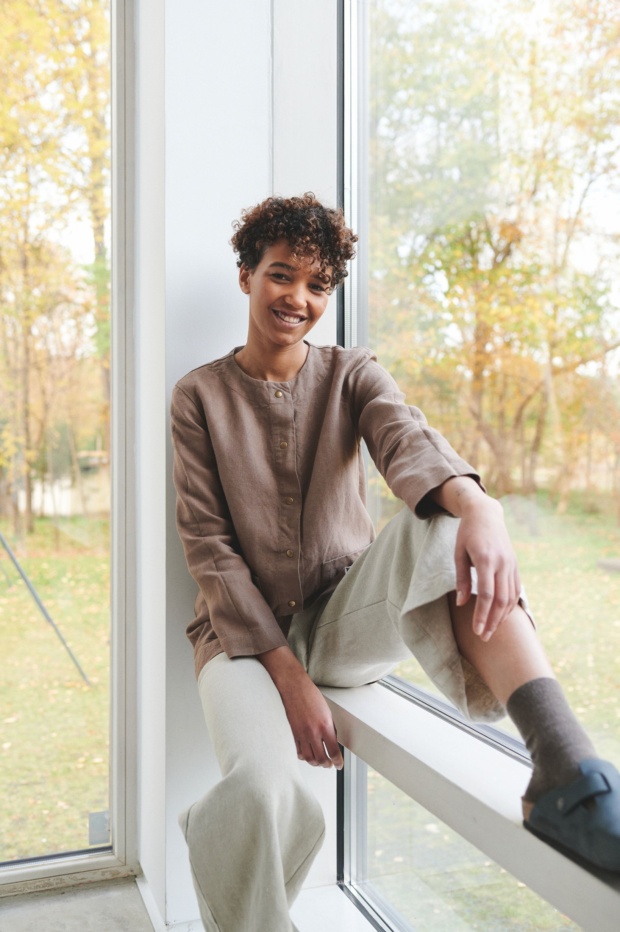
<point x="313" y="232"/>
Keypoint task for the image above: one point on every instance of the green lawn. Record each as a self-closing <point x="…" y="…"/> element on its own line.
<point x="54" y="728"/>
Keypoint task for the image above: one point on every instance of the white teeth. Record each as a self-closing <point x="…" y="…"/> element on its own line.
<point x="289" y="320"/>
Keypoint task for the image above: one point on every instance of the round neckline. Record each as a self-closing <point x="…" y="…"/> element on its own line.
<point x="269" y="381"/>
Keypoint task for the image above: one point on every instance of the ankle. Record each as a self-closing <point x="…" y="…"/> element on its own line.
<point x="556" y="741"/>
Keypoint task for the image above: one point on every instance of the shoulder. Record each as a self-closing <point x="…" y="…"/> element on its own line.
<point x="340" y="359"/>
<point x="359" y="363"/>
<point x="193" y="381"/>
<point x="352" y="373"/>
<point x="201" y="388"/>
<point x="211" y="383"/>
<point x="355" y="369"/>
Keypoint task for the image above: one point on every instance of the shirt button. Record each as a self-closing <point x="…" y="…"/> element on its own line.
<point x="292" y="603"/>
<point x="289" y="500"/>
<point x="290" y="553"/>
<point x="283" y="445"/>
<point x="279" y="393"/>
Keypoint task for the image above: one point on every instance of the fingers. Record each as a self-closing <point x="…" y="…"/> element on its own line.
<point x="496" y="593"/>
<point x="491" y="607"/>
<point x="332" y="749"/>
<point x="305" y="752"/>
<point x="318" y="758"/>
<point x="463" y="574"/>
<point x="321" y="752"/>
<point x="496" y="597"/>
<point x="517" y="585"/>
<point x="483" y="542"/>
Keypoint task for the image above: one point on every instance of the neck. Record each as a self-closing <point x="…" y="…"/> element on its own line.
<point x="276" y="366"/>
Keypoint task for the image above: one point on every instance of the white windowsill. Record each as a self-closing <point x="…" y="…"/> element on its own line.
<point x="54" y="873"/>
<point x="327" y="909"/>
<point x="473" y="788"/>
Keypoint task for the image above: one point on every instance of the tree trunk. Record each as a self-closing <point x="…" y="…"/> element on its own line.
<point x="25" y="374"/>
<point x="531" y="486"/>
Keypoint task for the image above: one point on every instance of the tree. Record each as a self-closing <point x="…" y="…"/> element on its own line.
<point x="492" y="141"/>
<point x="54" y="165"/>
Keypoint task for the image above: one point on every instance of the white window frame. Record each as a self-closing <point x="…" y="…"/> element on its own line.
<point x="472" y="785"/>
<point x="119" y="861"/>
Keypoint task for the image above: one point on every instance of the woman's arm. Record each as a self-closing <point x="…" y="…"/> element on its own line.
<point x="306" y="709"/>
<point x="423" y="470"/>
<point x="241" y="618"/>
<point x="412" y="457"/>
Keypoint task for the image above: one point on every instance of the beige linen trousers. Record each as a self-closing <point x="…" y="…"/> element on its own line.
<point x="253" y="837"/>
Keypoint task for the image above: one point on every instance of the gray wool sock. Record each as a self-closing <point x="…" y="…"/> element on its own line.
<point x="556" y="741"/>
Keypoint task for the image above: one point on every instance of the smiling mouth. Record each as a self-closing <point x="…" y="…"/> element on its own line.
<point x="288" y="318"/>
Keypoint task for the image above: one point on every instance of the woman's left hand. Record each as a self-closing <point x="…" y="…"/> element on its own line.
<point x="482" y="542"/>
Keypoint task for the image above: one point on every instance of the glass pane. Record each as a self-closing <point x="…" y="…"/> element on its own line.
<point x="435" y="880"/>
<point x="54" y="426"/>
<point x="491" y="214"/>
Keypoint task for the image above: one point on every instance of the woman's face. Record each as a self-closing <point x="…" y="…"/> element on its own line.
<point x="288" y="295"/>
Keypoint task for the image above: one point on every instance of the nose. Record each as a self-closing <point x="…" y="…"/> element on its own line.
<point x="295" y="296"/>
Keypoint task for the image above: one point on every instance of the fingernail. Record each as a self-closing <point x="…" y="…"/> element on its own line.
<point x="460" y="597"/>
<point x="479" y="628"/>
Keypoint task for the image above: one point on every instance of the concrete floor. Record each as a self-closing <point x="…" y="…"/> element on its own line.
<point x="105" y="907"/>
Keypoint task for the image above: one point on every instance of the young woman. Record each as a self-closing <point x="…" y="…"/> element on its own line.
<point x="295" y="592"/>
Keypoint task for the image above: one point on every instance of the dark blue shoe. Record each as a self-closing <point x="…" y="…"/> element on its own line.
<point x="582" y="818"/>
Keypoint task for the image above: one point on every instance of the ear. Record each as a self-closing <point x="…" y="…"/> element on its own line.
<point x="244" y="279"/>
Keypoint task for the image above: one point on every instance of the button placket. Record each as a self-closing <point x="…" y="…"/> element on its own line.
<point x="283" y="433"/>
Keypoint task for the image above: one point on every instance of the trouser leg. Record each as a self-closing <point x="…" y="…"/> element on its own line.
<point x="393" y="603"/>
<point x="253" y="837"/>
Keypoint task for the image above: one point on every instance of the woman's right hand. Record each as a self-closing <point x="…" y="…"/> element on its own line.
<point x="307" y="711"/>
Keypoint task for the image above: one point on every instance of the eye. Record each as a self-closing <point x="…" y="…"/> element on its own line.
<point x="279" y="277"/>
<point x="320" y="289"/>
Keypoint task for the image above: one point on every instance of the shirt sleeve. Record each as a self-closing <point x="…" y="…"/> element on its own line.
<point x="240" y="616"/>
<point x="412" y="457"/>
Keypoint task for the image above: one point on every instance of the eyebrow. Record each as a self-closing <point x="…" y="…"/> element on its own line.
<point x="294" y="268"/>
<point x="283" y="265"/>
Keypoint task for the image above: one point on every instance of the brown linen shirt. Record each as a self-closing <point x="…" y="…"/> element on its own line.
<point x="271" y="486"/>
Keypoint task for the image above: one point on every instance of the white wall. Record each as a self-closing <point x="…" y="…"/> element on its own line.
<point x="305" y="118"/>
<point x="227" y="112"/>
<point x="218" y="131"/>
